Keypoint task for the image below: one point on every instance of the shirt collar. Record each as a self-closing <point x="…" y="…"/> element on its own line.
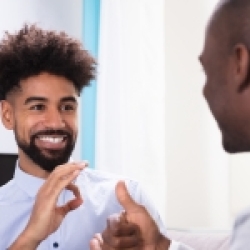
<point x="28" y="183"/>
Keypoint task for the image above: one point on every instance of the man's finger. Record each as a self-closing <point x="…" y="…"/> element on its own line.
<point x="95" y="245"/>
<point x="126" y="236"/>
<point x="61" y="178"/>
<point x="113" y="221"/>
<point x="124" y="229"/>
<point x="97" y="242"/>
<point x="69" y="206"/>
<point x="72" y="187"/>
<point x="72" y="204"/>
<point x="52" y="190"/>
<point x="125" y="198"/>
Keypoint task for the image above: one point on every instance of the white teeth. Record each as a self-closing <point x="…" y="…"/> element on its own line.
<point x="51" y="139"/>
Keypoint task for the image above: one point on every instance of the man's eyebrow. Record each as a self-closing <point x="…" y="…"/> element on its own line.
<point x="44" y="99"/>
<point x="69" y="99"/>
<point x="35" y="99"/>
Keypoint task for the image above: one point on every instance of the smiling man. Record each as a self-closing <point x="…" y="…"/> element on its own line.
<point x="46" y="130"/>
<point x="51" y="202"/>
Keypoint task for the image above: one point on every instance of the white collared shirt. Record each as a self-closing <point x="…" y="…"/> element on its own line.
<point x="179" y="246"/>
<point x="98" y="191"/>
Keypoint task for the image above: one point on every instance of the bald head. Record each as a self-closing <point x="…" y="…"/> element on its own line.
<point x="230" y="23"/>
<point x="226" y="62"/>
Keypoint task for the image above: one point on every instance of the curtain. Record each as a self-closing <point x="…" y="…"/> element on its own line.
<point x="130" y="127"/>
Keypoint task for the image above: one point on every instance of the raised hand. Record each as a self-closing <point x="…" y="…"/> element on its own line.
<point x="46" y="216"/>
<point x="118" y="228"/>
<point x="133" y="229"/>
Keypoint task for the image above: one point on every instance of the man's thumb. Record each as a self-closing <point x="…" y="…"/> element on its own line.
<point x="124" y="197"/>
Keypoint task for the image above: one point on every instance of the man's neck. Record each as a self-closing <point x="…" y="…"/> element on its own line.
<point x="29" y="167"/>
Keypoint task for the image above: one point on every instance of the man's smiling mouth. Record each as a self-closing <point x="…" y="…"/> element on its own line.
<point x="52" y="139"/>
<point x="54" y="142"/>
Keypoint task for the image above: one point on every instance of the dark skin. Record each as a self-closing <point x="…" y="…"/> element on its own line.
<point x="226" y="65"/>
<point x="133" y="229"/>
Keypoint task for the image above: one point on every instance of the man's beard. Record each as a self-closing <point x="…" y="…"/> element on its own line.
<point x="232" y="146"/>
<point x="52" y="158"/>
<point x="234" y="141"/>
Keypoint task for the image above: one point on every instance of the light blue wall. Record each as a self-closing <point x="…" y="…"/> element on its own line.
<point x="91" y="19"/>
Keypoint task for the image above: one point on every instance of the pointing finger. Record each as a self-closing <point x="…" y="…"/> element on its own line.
<point x="125" y="198"/>
<point x="62" y="176"/>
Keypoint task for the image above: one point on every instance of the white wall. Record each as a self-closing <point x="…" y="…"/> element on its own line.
<point x="131" y="94"/>
<point x="57" y="14"/>
<point x="197" y="167"/>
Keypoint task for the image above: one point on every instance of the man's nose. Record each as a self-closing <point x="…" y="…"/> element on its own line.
<point x="54" y="119"/>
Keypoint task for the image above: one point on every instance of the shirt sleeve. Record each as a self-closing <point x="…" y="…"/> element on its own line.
<point x="240" y="237"/>
<point x="141" y="197"/>
<point x="179" y="246"/>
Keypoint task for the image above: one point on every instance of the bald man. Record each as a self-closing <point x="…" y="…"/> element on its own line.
<point x="226" y="62"/>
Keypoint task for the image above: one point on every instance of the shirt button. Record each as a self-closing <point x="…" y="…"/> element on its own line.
<point x="55" y="245"/>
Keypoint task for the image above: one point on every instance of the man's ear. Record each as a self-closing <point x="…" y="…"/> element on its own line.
<point x="241" y="69"/>
<point x="7" y="114"/>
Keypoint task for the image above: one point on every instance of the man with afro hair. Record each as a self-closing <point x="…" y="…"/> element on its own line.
<point x="52" y="201"/>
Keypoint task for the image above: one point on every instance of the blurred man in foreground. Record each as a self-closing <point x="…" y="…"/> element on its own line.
<point x="226" y="62"/>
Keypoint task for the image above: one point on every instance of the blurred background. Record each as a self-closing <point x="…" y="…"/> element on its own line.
<point x="145" y="116"/>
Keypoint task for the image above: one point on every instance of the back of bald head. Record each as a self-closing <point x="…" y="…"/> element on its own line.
<point x="231" y="23"/>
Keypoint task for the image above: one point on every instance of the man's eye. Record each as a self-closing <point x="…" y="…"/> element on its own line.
<point x="68" y="107"/>
<point x="37" y="107"/>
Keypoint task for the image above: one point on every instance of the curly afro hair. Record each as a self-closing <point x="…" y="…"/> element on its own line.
<point x="33" y="50"/>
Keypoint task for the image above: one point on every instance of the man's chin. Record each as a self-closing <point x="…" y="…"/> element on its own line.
<point x="233" y="148"/>
<point x="50" y="159"/>
<point x="52" y="153"/>
<point x="46" y="157"/>
<point x="229" y="149"/>
<point x="49" y="164"/>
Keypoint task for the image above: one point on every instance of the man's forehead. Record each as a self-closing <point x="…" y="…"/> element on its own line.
<point x="41" y="98"/>
<point x="49" y="87"/>
<point x="28" y="94"/>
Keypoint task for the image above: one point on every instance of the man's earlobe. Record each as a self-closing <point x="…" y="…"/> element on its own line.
<point x="242" y="70"/>
<point x="6" y="114"/>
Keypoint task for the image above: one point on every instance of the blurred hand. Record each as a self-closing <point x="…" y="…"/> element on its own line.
<point x="132" y="229"/>
<point x="46" y="216"/>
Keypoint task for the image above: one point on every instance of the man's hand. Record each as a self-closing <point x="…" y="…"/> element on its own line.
<point x="133" y="229"/>
<point x="46" y="216"/>
<point x="119" y="234"/>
